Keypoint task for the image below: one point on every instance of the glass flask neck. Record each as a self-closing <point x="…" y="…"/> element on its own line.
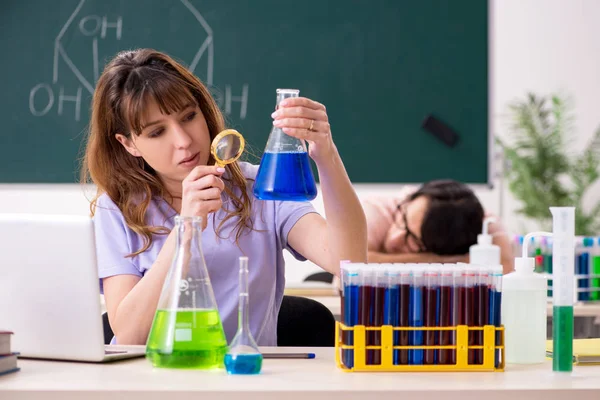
<point x="188" y="283"/>
<point x="183" y="222"/>
<point x="283" y="94"/>
<point x="244" y="307"/>
<point x="188" y="229"/>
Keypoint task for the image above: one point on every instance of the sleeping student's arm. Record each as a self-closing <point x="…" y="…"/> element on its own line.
<point x="377" y="225"/>
<point x="501" y="239"/>
<point x="506" y="252"/>
<point x="378" y="257"/>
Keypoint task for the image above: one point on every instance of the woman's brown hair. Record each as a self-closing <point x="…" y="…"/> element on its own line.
<point x="127" y="85"/>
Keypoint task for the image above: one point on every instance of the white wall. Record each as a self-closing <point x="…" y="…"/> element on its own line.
<point x="537" y="45"/>
<point x="547" y="46"/>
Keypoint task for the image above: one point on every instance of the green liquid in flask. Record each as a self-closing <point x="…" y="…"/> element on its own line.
<point x="197" y="341"/>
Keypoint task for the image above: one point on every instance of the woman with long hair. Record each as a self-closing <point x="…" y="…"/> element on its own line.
<point x="148" y="153"/>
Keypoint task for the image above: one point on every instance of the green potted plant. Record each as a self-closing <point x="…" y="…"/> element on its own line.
<point x="542" y="170"/>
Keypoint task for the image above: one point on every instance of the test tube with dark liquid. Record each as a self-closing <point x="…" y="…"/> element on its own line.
<point x="366" y="298"/>
<point x="458" y="304"/>
<point x="471" y="307"/>
<point x="390" y="305"/>
<point x="464" y="287"/>
<point x="401" y="356"/>
<point x="446" y="288"/>
<point x="483" y="304"/>
<point x="430" y="310"/>
<point x="350" y="288"/>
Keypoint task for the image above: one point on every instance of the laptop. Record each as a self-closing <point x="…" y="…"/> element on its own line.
<point x="49" y="291"/>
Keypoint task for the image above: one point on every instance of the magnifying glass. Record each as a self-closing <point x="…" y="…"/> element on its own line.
<point x="227" y="147"/>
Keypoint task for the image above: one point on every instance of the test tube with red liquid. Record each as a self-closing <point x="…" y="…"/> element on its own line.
<point x="390" y="304"/>
<point x="404" y="312"/>
<point x="481" y="311"/>
<point x="430" y="310"/>
<point x="447" y="271"/>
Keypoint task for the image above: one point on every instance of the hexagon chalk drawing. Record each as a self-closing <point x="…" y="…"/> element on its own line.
<point x="60" y="52"/>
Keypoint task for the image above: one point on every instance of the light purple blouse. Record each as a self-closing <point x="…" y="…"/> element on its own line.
<point x="264" y="246"/>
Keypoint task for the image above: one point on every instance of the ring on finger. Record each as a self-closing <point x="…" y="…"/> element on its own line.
<point x="312" y="122"/>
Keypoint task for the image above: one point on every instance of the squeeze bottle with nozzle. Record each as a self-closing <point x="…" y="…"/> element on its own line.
<point x="524" y="298"/>
<point x="484" y="252"/>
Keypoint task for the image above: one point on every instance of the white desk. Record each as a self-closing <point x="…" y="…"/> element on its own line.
<point x="289" y="379"/>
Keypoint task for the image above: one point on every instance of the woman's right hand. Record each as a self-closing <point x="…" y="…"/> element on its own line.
<point x="201" y="192"/>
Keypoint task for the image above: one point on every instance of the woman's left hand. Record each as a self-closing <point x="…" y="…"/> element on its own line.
<point x="306" y="119"/>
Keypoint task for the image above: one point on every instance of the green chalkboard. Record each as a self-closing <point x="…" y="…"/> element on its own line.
<point x="380" y="67"/>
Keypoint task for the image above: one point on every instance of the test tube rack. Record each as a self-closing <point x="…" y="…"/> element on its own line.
<point x="493" y="353"/>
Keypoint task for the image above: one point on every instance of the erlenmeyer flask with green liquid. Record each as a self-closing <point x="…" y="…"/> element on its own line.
<point x="187" y="331"/>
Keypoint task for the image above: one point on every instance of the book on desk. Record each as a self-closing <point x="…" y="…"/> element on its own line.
<point x="8" y="359"/>
<point x="585" y="351"/>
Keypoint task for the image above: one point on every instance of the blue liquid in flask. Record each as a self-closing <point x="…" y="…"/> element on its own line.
<point x="243" y="357"/>
<point x="285" y="176"/>
<point x="243" y="364"/>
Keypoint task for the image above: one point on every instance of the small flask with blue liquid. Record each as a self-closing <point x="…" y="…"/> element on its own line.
<point x="285" y="172"/>
<point x="243" y="357"/>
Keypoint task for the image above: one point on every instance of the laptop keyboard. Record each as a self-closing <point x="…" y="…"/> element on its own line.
<point x="108" y="352"/>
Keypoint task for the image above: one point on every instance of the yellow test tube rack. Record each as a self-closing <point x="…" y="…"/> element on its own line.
<point x="489" y="348"/>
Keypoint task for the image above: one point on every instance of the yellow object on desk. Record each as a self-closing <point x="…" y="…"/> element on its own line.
<point x="353" y="357"/>
<point x="585" y="351"/>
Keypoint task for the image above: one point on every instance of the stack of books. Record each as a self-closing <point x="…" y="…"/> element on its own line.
<point x="8" y="359"/>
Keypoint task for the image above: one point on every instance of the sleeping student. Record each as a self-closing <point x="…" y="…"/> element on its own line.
<point x="148" y="153"/>
<point x="436" y="222"/>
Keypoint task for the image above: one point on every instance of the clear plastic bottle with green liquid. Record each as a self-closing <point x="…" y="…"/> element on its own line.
<point x="187" y="331"/>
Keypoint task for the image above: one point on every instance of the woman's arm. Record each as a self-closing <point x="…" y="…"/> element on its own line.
<point x="131" y="301"/>
<point x="343" y="236"/>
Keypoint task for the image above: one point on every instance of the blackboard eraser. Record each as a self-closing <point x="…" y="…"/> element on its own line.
<point x="440" y="130"/>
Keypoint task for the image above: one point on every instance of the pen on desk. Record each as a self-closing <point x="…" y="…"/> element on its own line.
<point x="288" y="355"/>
